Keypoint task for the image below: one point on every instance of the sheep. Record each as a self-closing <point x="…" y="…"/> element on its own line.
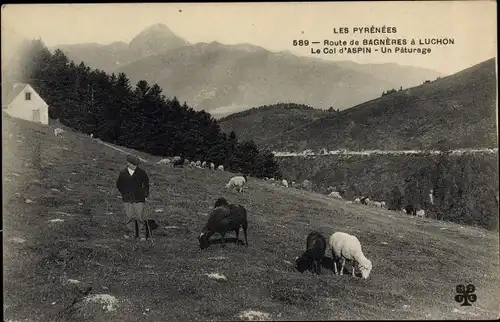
<point x="212" y="166"/>
<point x="178" y="161"/>
<point x="58" y="132"/>
<point x="266" y="178"/>
<point x="357" y="200"/>
<point x="364" y="199"/>
<point x="272" y="179"/>
<point x="420" y="213"/>
<point x="192" y="164"/>
<point x="91" y="135"/>
<point x="335" y="194"/>
<point x="345" y="246"/>
<point x="382" y="204"/>
<point x="377" y="204"/>
<point x="238" y="182"/>
<point x="220" y="168"/>
<point x="220" y="202"/>
<point x="285" y="183"/>
<point x="198" y="163"/>
<point x="224" y="218"/>
<point x="410" y="210"/>
<point x="164" y="161"/>
<point x="403" y="210"/>
<point x="204" y="164"/>
<point x="237" y="211"/>
<point x="313" y="256"/>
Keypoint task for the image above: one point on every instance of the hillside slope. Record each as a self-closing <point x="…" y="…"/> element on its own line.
<point x="52" y="270"/>
<point x="266" y="121"/>
<point x="458" y="111"/>
<point x="225" y="79"/>
<point x="465" y="187"/>
<point x="393" y="72"/>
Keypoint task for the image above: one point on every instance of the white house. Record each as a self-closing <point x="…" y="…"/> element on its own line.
<point x="23" y="102"/>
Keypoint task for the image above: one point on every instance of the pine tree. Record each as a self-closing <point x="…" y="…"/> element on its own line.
<point x="91" y="101"/>
<point x="119" y="115"/>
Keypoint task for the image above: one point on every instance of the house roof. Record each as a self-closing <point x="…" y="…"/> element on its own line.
<point x="13" y="94"/>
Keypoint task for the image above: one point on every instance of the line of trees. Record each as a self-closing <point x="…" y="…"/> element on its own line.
<point x="288" y="106"/>
<point x="392" y="90"/>
<point x="91" y="101"/>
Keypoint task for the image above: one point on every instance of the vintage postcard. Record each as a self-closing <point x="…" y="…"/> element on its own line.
<point x="250" y="161"/>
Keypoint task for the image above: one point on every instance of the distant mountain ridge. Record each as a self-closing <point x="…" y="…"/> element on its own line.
<point x="224" y="79"/>
<point x="155" y="39"/>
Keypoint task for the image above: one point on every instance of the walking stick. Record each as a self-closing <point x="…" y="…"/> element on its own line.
<point x="150" y="232"/>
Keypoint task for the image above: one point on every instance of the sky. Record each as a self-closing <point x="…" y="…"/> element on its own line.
<point x="471" y="24"/>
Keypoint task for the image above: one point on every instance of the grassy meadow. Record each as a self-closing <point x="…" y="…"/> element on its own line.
<point x="465" y="186"/>
<point x="53" y="269"/>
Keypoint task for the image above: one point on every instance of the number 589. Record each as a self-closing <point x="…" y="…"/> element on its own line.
<point x="301" y="42"/>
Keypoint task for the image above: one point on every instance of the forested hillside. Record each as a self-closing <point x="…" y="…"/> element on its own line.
<point x="264" y="122"/>
<point x="139" y="117"/>
<point x="454" y="112"/>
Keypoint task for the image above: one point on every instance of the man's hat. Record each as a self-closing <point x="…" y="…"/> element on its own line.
<point x="133" y="159"/>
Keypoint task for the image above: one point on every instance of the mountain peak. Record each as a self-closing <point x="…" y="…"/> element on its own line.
<point x="158" y="27"/>
<point x="155" y="39"/>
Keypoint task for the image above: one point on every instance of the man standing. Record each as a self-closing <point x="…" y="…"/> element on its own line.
<point x="133" y="184"/>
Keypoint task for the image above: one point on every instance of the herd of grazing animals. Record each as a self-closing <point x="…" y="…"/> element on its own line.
<point x="226" y="217"/>
<point x="409" y="209"/>
<point x="178" y="161"/>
